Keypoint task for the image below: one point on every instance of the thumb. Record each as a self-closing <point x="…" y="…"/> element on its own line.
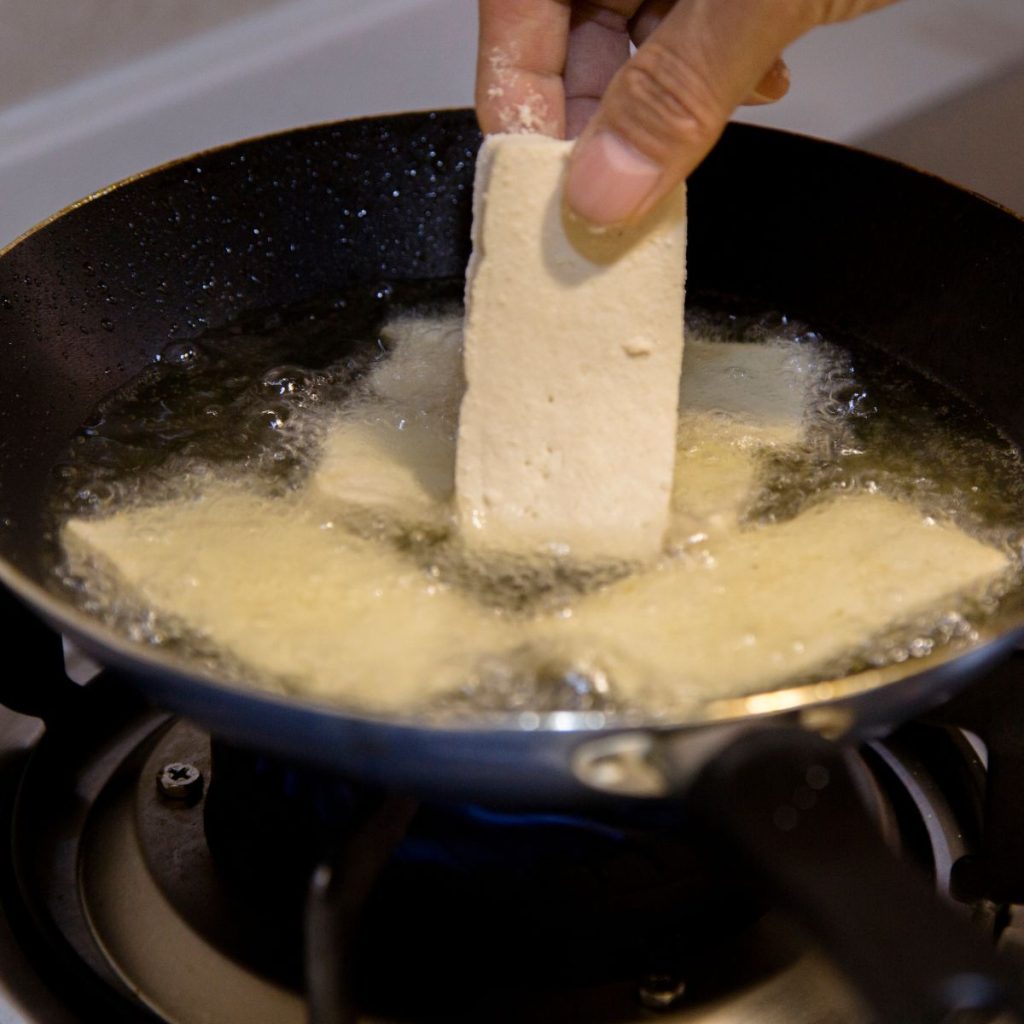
<point x="667" y="106"/>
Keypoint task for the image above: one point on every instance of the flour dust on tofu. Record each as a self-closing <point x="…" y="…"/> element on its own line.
<point x="274" y="503"/>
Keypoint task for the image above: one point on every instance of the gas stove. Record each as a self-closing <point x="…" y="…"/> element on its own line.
<point x="153" y="873"/>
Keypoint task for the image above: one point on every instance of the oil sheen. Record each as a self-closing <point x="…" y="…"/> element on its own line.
<point x="272" y="502"/>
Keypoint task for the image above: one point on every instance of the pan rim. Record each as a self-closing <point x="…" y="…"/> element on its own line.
<point x="179" y="161"/>
<point x="432" y="114"/>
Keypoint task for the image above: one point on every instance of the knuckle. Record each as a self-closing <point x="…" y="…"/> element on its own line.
<point x="666" y="96"/>
<point x="828" y="11"/>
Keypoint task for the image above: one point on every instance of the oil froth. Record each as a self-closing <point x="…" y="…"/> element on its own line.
<point x="331" y="433"/>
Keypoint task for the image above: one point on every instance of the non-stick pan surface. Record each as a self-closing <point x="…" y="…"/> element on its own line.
<point x="854" y="245"/>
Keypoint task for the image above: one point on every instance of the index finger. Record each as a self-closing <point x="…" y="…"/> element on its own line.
<point x="520" y="61"/>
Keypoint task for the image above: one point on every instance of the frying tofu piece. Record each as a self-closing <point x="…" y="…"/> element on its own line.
<point x="573" y="347"/>
<point x="756" y="392"/>
<point x="264" y="581"/>
<point x="715" y="481"/>
<point x="737" y="399"/>
<point x="392" y="459"/>
<point x="370" y="469"/>
<point x="423" y="369"/>
<point x="760" y="607"/>
<point x="329" y="614"/>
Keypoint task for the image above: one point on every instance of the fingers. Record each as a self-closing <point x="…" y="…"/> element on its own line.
<point x="666" y="108"/>
<point x="520" y="62"/>
<point x="663" y="111"/>
<point x="598" y="47"/>
<point x="773" y="85"/>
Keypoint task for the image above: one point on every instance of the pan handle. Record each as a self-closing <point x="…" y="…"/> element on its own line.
<point x="35" y="682"/>
<point x="783" y="803"/>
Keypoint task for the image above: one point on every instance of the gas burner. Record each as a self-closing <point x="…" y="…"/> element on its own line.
<point x="159" y="877"/>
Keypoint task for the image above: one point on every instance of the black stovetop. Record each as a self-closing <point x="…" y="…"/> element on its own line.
<point x="121" y="902"/>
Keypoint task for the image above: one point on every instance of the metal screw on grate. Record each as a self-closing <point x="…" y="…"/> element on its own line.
<point x="661" y="991"/>
<point x="180" y="782"/>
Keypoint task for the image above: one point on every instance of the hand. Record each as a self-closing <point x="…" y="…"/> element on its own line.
<point x="562" y="68"/>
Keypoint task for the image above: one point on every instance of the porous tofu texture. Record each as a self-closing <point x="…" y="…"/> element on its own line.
<point x="572" y="354"/>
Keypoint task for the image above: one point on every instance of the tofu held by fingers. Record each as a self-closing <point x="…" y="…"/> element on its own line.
<point x="573" y="350"/>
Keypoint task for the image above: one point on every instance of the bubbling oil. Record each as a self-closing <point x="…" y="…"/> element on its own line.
<point x="256" y="405"/>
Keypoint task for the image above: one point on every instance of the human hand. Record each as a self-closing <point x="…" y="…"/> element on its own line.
<point x="562" y="68"/>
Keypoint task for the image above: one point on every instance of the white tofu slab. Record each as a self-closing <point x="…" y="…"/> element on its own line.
<point x="714" y="483"/>
<point x="737" y="399"/>
<point x="757" y="392"/>
<point x="320" y="608"/>
<point x="754" y="609"/>
<point x="392" y="457"/>
<point x="573" y="346"/>
<point x="423" y="369"/>
<point x="332" y="615"/>
<point x="371" y="469"/>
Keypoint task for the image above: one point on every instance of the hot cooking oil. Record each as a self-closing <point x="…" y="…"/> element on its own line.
<point x="776" y="424"/>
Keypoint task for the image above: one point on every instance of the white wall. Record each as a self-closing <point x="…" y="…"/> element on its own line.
<point x="278" y="63"/>
<point x="852" y="78"/>
<point x="45" y="44"/>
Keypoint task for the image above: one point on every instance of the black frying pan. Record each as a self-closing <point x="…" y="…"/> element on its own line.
<point x="847" y="242"/>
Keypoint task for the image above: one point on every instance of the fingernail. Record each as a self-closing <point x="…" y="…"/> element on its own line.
<point x="609" y="179"/>
<point x="774" y="85"/>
